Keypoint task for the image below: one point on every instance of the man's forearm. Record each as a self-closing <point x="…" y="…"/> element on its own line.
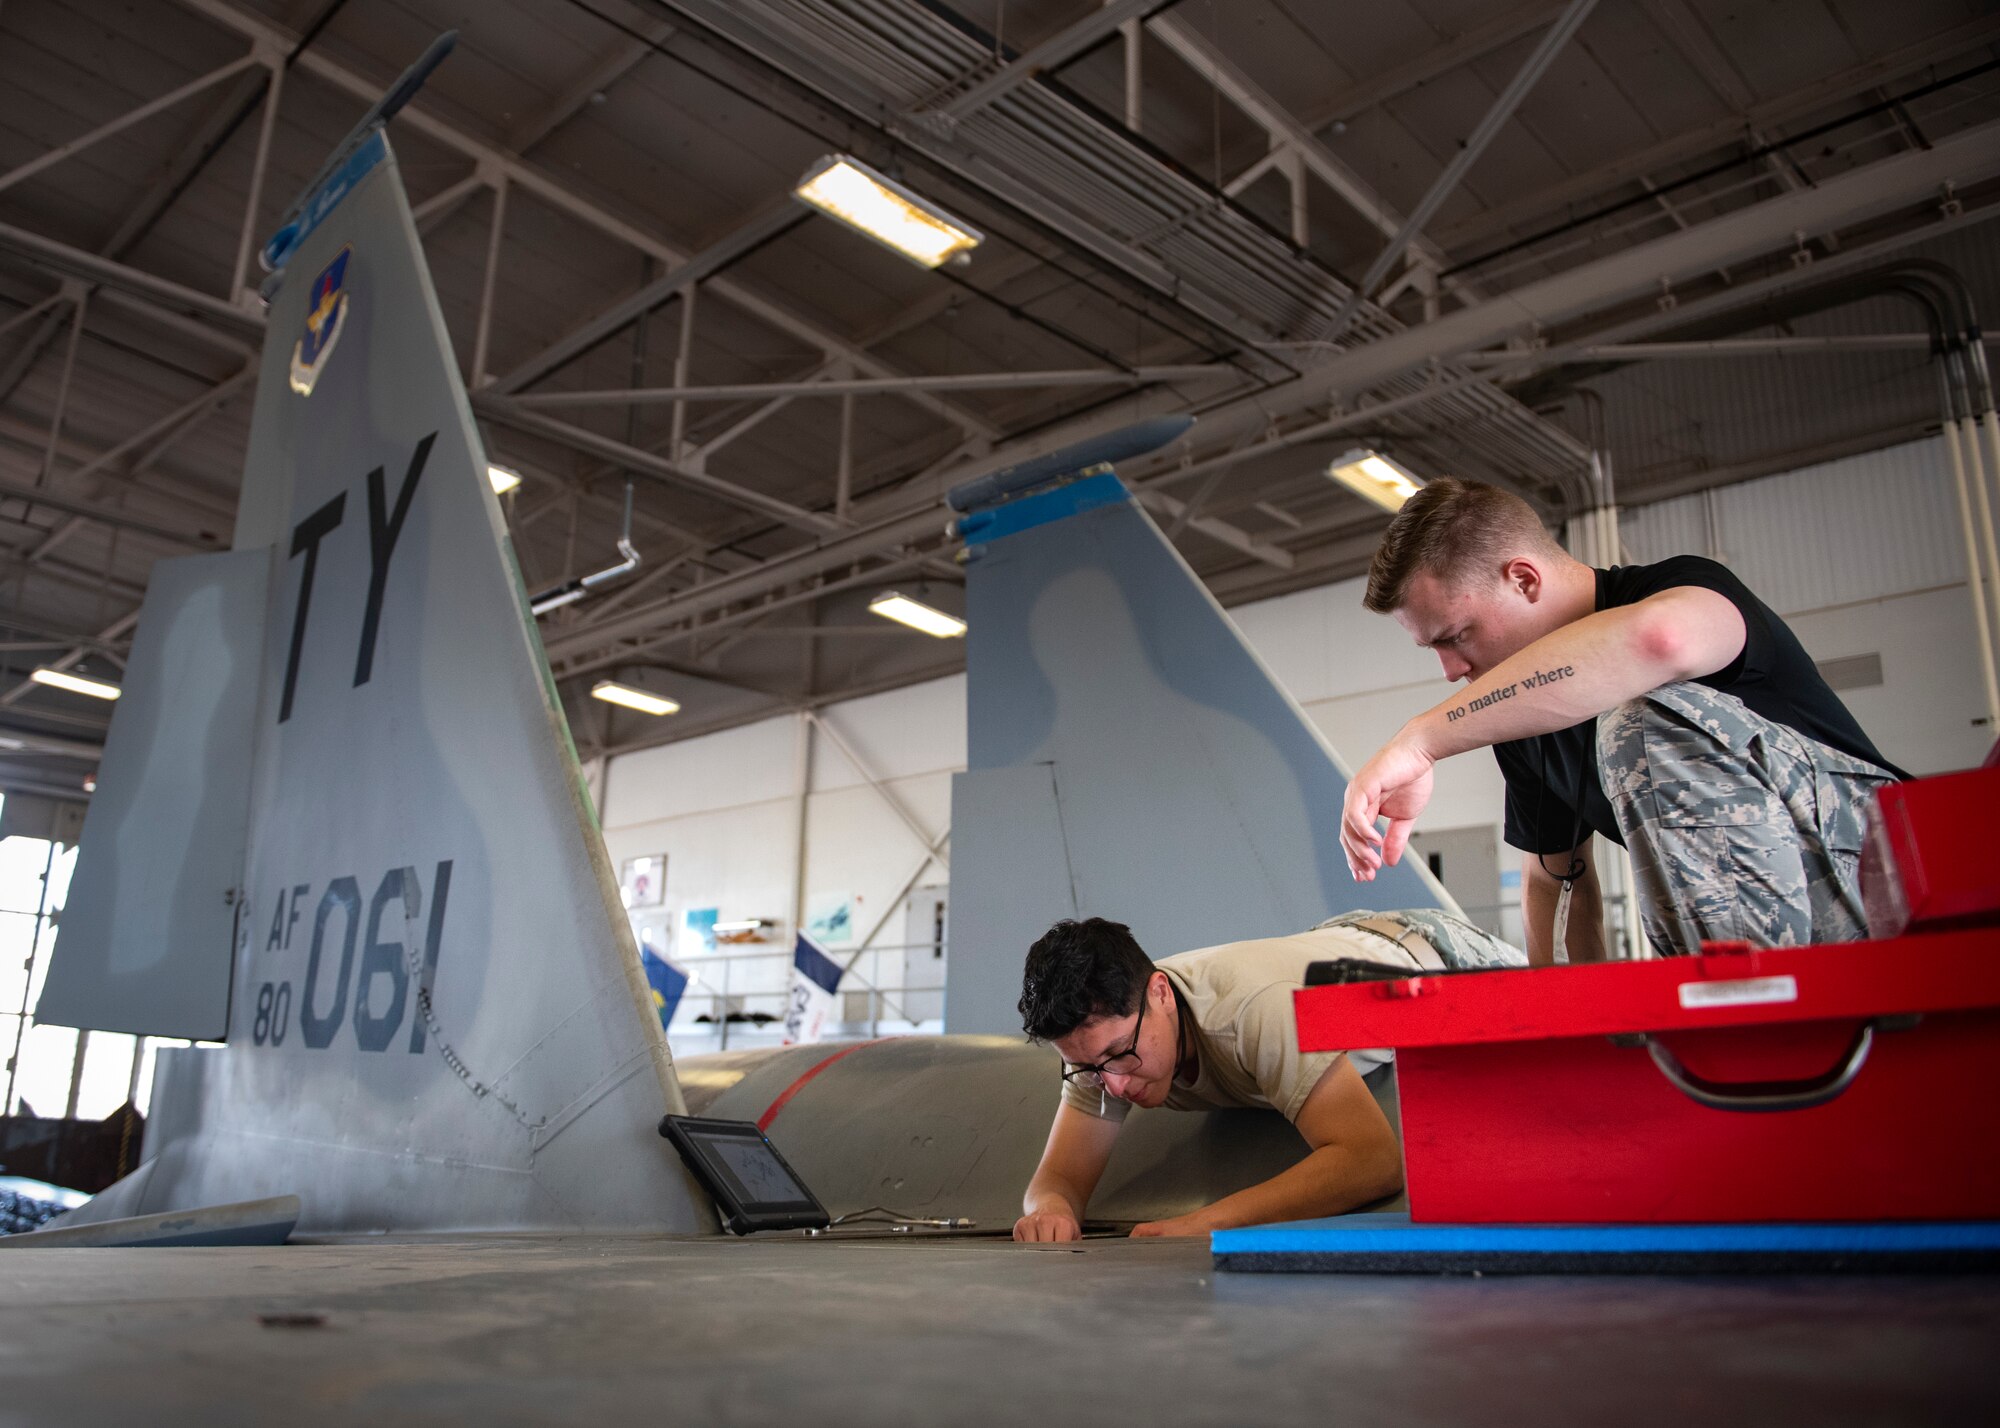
<point x="1567" y="676"/>
<point x="1051" y="1193"/>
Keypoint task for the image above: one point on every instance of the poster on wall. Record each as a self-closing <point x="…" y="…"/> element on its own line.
<point x="698" y="929"/>
<point x="830" y="918"/>
<point x="642" y="882"/>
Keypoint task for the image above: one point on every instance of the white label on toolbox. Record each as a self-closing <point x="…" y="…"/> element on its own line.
<point x="1743" y="992"/>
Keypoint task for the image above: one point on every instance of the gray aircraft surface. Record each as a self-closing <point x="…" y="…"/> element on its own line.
<point x="341" y="829"/>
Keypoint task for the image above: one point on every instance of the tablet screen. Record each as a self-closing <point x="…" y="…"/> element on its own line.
<point x="753" y="1186"/>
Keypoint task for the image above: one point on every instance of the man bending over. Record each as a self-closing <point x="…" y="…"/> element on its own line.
<point x="1664" y="706"/>
<point x="1208" y="1030"/>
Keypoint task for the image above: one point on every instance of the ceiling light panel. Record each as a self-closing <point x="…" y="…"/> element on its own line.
<point x="76" y="683"/>
<point x="917" y="615"/>
<point x="612" y="692"/>
<point x="884" y="210"/>
<point x="1376" y="478"/>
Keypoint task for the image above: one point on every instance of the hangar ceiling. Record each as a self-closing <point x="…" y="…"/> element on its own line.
<point x="1435" y="227"/>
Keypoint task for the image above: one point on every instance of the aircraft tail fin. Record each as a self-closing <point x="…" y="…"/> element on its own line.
<point x="1129" y="755"/>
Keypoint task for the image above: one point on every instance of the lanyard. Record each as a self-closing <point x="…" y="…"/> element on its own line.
<point x="1559" y="935"/>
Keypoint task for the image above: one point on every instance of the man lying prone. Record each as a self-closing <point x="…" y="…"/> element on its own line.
<point x="1210" y="1029"/>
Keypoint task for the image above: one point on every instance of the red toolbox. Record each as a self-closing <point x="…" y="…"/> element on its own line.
<point x="1858" y="1081"/>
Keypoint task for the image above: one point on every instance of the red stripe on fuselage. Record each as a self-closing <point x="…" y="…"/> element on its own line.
<point x="785" y="1096"/>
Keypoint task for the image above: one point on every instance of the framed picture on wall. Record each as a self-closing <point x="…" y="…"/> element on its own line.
<point x="642" y="882"/>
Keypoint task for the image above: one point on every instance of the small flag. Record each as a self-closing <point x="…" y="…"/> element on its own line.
<point x="666" y="980"/>
<point x="814" y="978"/>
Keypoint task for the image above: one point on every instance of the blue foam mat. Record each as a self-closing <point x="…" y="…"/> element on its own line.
<point x="1391" y="1243"/>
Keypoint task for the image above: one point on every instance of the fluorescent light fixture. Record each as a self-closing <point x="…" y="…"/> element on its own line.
<point x="612" y="692"/>
<point x="883" y="209"/>
<point x="1371" y="475"/>
<point x="76" y="683"/>
<point x="748" y="924"/>
<point x="917" y="615"/>
<point x="503" y="480"/>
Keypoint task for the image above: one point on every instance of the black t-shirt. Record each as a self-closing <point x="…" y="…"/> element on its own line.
<point x="1773" y="675"/>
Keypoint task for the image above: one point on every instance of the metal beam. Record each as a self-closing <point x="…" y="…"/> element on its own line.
<point x="28" y="436"/>
<point x="923" y="835"/>
<point x="718" y="255"/>
<point x="580" y="92"/>
<point x="1733" y="347"/>
<point x="150" y="443"/>
<point x="90" y="511"/>
<point x="1050" y="54"/>
<point x="883" y="629"/>
<point x="1686" y="32"/>
<point x="1286" y="130"/>
<point x="28" y="625"/>
<point x="27" y="741"/>
<point x="869" y="386"/>
<point x="1447" y="53"/>
<point x="61" y="258"/>
<point x="829" y="553"/>
<point x="534" y="182"/>
<point x="531" y="131"/>
<point x="589" y="658"/>
<point x="50" y="790"/>
<point x="173" y="322"/>
<point x="1468" y="153"/>
<point x="125" y="121"/>
<point x="1910" y="178"/>
<point x="1235" y="537"/>
<point x="632" y="458"/>
<point x="1680" y="148"/>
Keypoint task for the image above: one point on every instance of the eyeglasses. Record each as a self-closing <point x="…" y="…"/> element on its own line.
<point x="1122" y="1064"/>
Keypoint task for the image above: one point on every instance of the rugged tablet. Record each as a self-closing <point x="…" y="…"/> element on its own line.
<point x="753" y="1186"/>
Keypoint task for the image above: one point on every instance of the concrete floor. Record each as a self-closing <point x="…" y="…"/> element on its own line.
<point x="894" y="1331"/>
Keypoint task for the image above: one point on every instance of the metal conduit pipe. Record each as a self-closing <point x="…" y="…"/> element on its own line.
<point x="1964" y="435"/>
<point x="1970" y="395"/>
<point x="1943" y="298"/>
<point x="1973" y="576"/>
<point x="571" y="591"/>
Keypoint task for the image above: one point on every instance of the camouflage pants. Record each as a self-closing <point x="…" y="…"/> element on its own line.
<point x="1740" y="829"/>
<point x="1457" y="942"/>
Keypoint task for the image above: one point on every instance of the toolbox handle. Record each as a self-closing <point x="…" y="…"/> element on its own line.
<point x="1764" y="1095"/>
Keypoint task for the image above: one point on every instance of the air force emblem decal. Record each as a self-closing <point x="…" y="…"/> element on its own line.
<point x="326" y="315"/>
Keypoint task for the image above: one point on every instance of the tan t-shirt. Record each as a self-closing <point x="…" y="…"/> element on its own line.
<point x="1245" y="1036"/>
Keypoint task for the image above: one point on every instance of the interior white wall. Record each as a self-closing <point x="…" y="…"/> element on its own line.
<point x="1861" y="556"/>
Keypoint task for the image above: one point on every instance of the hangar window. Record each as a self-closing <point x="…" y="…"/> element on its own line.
<point x="52" y="1072"/>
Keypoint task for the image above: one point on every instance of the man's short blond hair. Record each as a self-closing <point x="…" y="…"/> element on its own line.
<point x="1455" y="530"/>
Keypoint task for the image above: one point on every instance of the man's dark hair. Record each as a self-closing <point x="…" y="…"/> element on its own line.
<point x="1456" y="531"/>
<point x="1080" y="970"/>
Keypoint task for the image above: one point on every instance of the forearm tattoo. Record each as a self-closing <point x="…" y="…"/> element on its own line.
<point x="1508" y="691"/>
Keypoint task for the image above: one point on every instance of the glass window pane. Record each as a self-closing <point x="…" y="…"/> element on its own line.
<point x="107" y="1070"/>
<point x="43" y="1078"/>
<point x="17" y="935"/>
<point x="21" y="864"/>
